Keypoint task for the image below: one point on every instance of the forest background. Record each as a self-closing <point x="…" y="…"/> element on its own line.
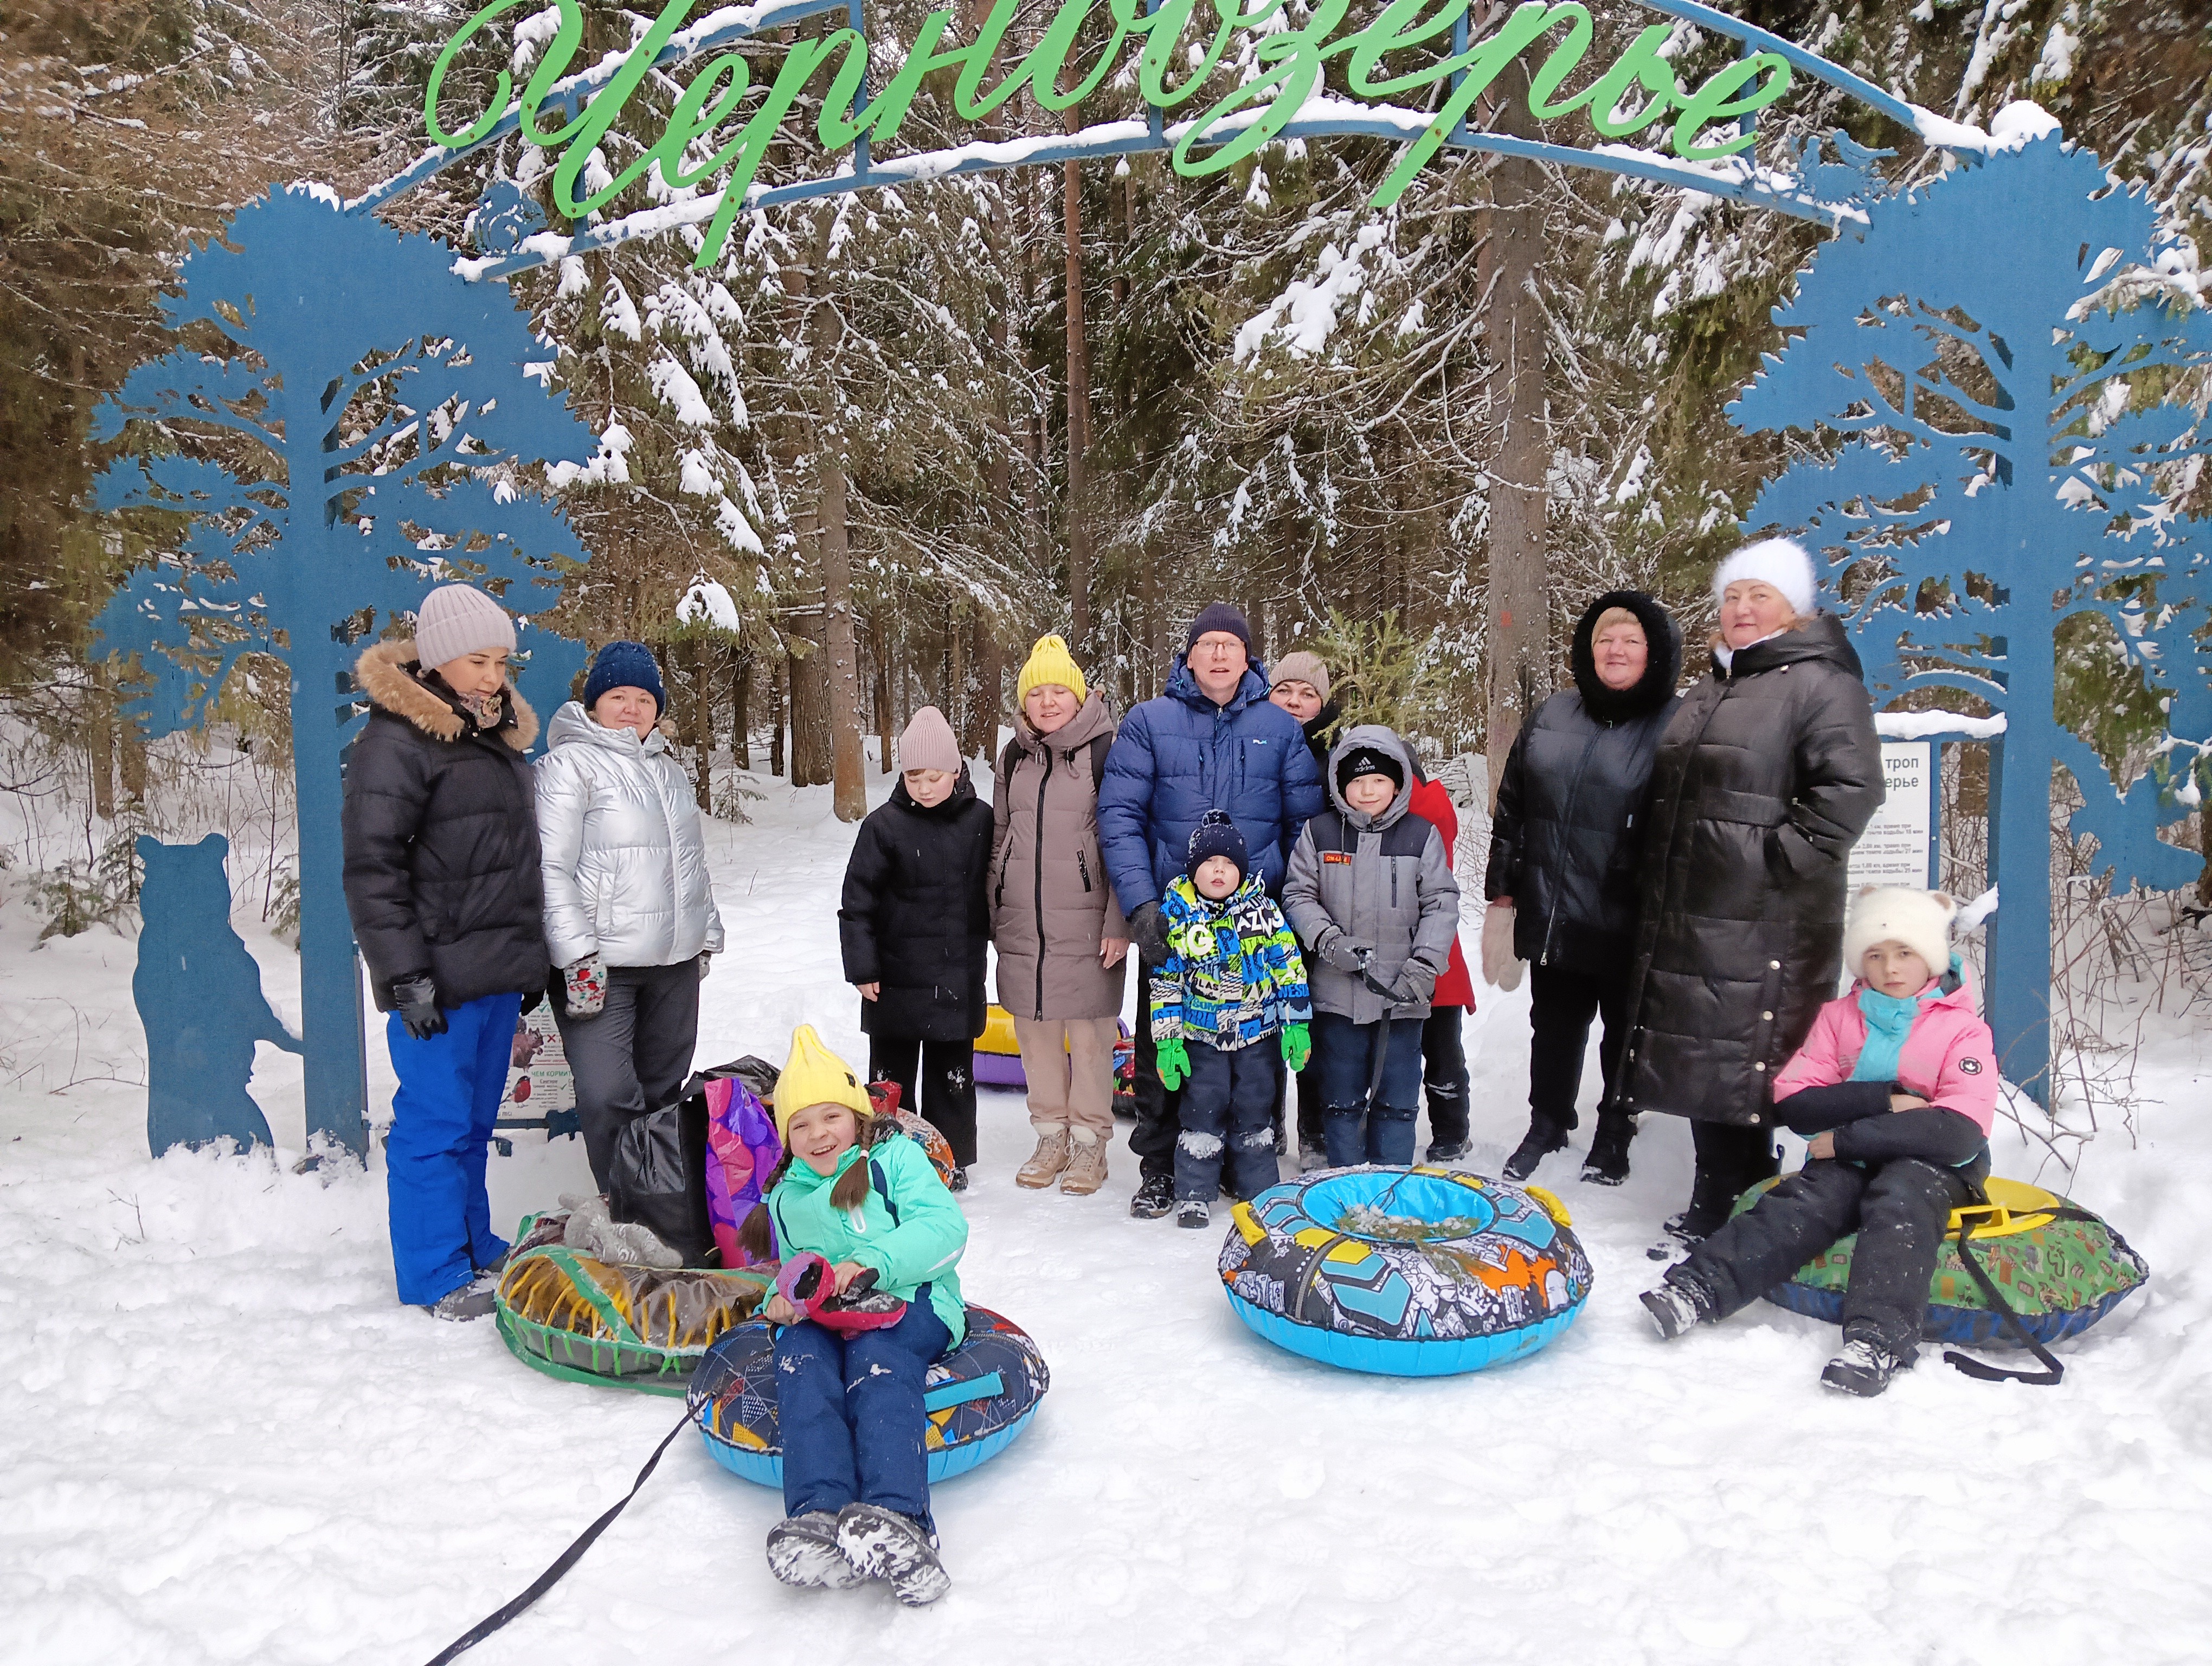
<point x="955" y="416"/>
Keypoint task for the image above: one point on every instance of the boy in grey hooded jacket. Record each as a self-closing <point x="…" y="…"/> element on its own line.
<point x="1371" y="896"/>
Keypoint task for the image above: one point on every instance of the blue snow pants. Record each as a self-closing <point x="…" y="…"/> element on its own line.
<point x="849" y="1409"/>
<point x="1353" y="1131"/>
<point x="1228" y="1109"/>
<point x="450" y="1089"/>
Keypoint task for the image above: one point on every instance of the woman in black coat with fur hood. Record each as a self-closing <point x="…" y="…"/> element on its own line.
<point x="442" y="881"/>
<point x="1562" y="859"/>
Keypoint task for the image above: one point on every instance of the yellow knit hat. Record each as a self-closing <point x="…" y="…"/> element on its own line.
<point x="813" y="1075"/>
<point x="1049" y="661"/>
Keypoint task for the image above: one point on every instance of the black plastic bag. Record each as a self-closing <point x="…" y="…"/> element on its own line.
<point x="658" y="1178"/>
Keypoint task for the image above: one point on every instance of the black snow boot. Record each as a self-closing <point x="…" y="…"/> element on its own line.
<point x="1545" y="1136"/>
<point x="1607" y="1162"/>
<point x="1675" y="1306"/>
<point x="1711" y="1197"/>
<point x="1863" y="1368"/>
<point x="1155" y="1197"/>
<point x="882" y="1544"/>
<point x="803" y="1550"/>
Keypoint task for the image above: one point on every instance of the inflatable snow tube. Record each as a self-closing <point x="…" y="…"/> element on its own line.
<point x="979" y="1397"/>
<point x="1405" y="1272"/>
<point x="2061" y="1276"/>
<point x="999" y="1060"/>
<point x="588" y="1321"/>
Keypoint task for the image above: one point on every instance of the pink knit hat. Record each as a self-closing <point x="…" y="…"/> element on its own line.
<point x="928" y="743"/>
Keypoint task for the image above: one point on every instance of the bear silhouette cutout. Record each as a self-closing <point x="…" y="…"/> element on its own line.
<point x="199" y="993"/>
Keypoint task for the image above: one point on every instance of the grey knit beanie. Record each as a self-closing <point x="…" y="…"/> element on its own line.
<point x="456" y="619"/>
<point x="1300" y="667"/>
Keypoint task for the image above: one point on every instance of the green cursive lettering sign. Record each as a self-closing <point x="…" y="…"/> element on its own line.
<point x="1407" y="48"/>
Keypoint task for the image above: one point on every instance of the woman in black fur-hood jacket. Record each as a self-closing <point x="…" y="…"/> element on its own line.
<point x="442" y="881"/>
<point x="1562" y="857"/>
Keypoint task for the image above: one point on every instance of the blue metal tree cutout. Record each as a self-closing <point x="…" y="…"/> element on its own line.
<point x="2016" y="437"/>
<point x="199" y="993"/>
<point x="358" y="419"/>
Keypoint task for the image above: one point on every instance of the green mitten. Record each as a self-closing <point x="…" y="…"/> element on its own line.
<point x="1298" y="1046"/>
<point x="1175" y="1064"/>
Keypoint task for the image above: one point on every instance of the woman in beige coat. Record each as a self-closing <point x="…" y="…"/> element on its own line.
<point x="1060" y="935"/>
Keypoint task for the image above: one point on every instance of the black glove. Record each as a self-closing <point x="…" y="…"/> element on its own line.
<point x="1345" y="952"/>
<point x="1415" y="984"/>
<point x="1146" y="932"/>
<point x="415" y="996"/>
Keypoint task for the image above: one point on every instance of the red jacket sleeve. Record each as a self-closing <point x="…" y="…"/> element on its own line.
<point x="1433" y="805"/>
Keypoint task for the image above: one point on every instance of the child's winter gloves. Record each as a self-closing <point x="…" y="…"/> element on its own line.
<point x="1175" y="1064"/>
<point x="1298" y="1047"/>
<point x="415" y="997"/>
<point x="1146" y="932"/>
<point x="586" y="993"/>
<point x="809" y="1283"/>
<point x="1346" y="952"/>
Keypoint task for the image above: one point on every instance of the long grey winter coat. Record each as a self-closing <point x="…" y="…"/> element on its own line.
<point x="1384" y="882"/>
<point x="625" y="865"/>
<point x="1766" y="776"/>
<point x="1050" y="900"/>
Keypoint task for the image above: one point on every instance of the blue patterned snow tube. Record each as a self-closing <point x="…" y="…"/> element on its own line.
<point x="979" y="1397"/>
<point x="1504" y="1278"/>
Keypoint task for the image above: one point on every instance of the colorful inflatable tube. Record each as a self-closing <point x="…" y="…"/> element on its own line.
<point x="1405" y="1272"/>
<point x="980" y="1398"/>
<point x="588" y="1321"/>
<point x="2061" y="1275"/>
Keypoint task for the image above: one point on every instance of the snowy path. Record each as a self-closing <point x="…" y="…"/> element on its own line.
<point x="226" y="1443"/>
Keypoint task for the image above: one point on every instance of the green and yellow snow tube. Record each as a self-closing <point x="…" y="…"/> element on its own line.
<point x="2060" y="1272"/>
<point x="588" y="1321"/>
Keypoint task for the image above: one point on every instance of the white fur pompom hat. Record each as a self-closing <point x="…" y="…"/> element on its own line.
<point x="1780" y="562"/>
<point x="1921" y="920"/>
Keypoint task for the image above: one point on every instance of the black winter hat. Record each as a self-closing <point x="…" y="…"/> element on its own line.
<point x="1219" y="616"/>
<point x="1368" y="761"/>
<point x="1216" y="835"/>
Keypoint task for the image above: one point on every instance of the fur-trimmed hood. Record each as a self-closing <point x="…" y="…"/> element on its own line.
<point x="1662" y="668"/>
<point x="389" y="674"/>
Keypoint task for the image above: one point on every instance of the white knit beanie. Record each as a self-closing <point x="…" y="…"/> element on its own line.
<point x="456" y="619"/>
<point x="1921" y="920"/>
<point x="1780" y="562"/>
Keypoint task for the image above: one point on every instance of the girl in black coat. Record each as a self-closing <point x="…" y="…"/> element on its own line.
<point x="1562" y="852"/>
<point x="913" y="924"/>
<point x="442" y="880"/>
<point x="1767" y="775"/>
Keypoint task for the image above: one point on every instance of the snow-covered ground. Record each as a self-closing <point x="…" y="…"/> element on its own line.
<point x="226" y="1442"/>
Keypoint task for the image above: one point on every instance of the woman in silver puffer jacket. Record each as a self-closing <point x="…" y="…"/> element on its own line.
<point x="630" y="911"/>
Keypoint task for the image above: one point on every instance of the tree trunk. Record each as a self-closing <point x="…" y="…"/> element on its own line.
<point x="1154" y="649"/>
<point x="881" y="633"/>
<point x="811" y="748"/>
<point x="1078" y="406"/>
<point x="955" y="681"/>
<point x="741" y="689"/>
<point x="700" y="735"/>
<point x="848" y="763"/>
<point x="1518" y="598"/>
<point x="989" y="675"/>
<point x="779" y="681"/>
<point x="100" y="745"/>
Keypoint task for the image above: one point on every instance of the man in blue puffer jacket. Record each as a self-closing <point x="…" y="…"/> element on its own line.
<point x="1213" y="741"/>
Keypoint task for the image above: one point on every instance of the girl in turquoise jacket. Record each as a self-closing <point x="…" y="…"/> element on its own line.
<point x="859" y="1194"/>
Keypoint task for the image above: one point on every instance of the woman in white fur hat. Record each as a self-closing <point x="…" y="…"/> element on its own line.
<point x="1768" y="774"/>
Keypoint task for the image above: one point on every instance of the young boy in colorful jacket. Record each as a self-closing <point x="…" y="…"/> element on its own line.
<point x="1896" y="1086"/>
<point x="1231" y="983"/>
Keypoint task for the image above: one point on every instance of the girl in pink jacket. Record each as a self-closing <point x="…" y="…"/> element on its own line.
<point x="1896" y="1087"/>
